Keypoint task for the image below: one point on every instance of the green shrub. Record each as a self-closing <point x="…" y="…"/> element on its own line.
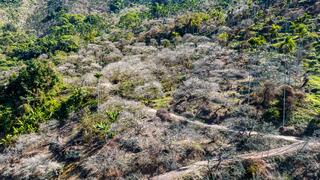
<point x="272" y="114"/>
<point x="313" y="126"/>
<point x="116" y="5"/>
<point x="113" y="115"/>
<point x="29" y="99"/>
<point x="300" y="29"/>
<point x="9" y="27"/>
<point x="223" y="37"/>
<point x="197" y="19"/>
<point x="288" y="45"/>
<point x="34" y="96"/>
<point x="68" y="43"/>
<point x="159" y="10"/>
<point x="27" y="50"/>
<point x="35" y="78"/>
<point x="255" y="168"/>
<point x="130" y="20"/>
<point x="66" y="35"/>
<point x="191" y="23"/>
<point x="218" y="16"/>
<point x="314" y="83"/>
<point x="54" y="9"/>
<point x="6" y="116"/>
<point x="159" y="103"/>
<point x="78" y="100"/>
<point x="274" y="31"/>
<point x="257" y="41"/>
<point x="274" y="106"/>
<point x="98" y="125"/>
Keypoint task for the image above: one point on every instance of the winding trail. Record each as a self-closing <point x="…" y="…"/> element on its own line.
<point x="297" y="144"/>
<point x="200" y="165"/>
<point x="178" y="118"/>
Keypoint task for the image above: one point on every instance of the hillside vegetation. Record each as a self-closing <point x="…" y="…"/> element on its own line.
<point x="159" y="89"/>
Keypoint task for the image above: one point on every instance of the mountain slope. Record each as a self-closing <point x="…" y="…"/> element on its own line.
<point x="159" y="89"/>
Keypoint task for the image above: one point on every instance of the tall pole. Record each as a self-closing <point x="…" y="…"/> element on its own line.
<point x="284" y="95"/>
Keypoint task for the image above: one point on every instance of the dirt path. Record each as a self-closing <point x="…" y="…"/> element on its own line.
<point x="201" y="165"/>
<point x="296" y="145"/>
<point x="224" y="128"/>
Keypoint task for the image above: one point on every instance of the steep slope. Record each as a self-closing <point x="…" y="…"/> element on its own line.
<point x="159" y="89"/>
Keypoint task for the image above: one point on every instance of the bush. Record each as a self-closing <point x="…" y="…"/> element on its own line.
<point x="116" y="5"/>
<point x="66" y="35"/>
<point x="223" y="37"/>
<point x="35" y="78"/>
<point x="130" y="20"/>
<point x="98" y="125"/>
<point x="288" y="45"/>
<point x="68" y="43"/>
<point x="27" y="50"/>
<point x="159" y="10"/>
<point x="257" y="41"/>
<point x="191" y="23"/>
<point x="274" y="102"/>
<point x="9" y="27"/>
<point x="163" y="8"/>
<point x="255" y="168"/>
<point x="78" y="99"/>
<point x="272" y="115"/>
<point x="218" y="16"/>
<point x="314" y="125"/>
<point x="29" y="98"/>
<point x="275" y="30"/>
<point x="233" y="170"/>
<point x="54" y="9"/>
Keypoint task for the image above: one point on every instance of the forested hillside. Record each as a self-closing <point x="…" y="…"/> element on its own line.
<point x="159" y="89"/>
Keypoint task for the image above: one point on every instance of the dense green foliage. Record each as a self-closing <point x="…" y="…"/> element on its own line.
<point x="116" y="5"/>
<point x="34" y="94"/>
<point x="66" y="35"/>
<point x="130" y="20"/>
<point x="55" y="8"/>
<point x="37" y="95"/>
<point x="29" y="98"/>
<point x="78" y="100"/>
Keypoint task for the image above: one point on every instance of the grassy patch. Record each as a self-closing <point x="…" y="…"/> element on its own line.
<point x="98" y="125"/>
